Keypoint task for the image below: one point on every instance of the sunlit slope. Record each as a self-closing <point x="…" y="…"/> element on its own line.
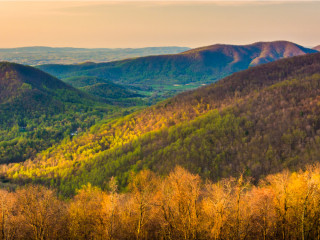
<point x="258" y="121"/>
<point x="197" y="66"/>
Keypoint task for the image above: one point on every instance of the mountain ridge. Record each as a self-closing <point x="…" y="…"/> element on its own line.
<point x="198" y="66"/>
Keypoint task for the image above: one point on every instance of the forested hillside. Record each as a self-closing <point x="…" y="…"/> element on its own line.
<point x="38" y="110"/>
<point x="83" y="81"/>
<point x="107" y="90"/>
<point x="257" y="121"/>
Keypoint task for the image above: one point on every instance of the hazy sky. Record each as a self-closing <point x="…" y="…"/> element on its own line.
<point x="142" y="24"/>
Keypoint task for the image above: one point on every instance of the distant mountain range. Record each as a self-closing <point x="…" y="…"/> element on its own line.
<point x="47" y="55"/>
<point x="317" y="48"/>
<point x="189" y="69"/>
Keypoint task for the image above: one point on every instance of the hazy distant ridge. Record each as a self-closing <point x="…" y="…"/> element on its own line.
<point x="67" y="55"/>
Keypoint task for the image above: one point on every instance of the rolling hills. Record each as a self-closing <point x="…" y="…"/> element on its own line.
<point x="258" y="121"/>
<point x="83" y="81"/>
<point x="38" y="110"/>
<point x="18" y="80"/>
<point x="317" y="48"/>
<point x="101" y="87"/>
<point x="26" y="90"/>
<point x="186" y="70"/>
<point x="109" y="90"/>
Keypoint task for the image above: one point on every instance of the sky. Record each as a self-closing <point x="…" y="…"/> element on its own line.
<point x="124" y="24"/>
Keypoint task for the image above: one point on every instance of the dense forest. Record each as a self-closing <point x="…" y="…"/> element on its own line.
<point x="109" y="91"/>
<point x="258" y="121"/>
<point x="180" y="206"/>
<point x="38" y="111"/>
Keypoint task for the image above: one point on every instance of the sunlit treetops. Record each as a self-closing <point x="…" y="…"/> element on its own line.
<point x="180" y="206"/>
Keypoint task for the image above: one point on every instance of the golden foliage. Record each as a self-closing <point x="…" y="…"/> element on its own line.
<point x="180" y="206"/>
